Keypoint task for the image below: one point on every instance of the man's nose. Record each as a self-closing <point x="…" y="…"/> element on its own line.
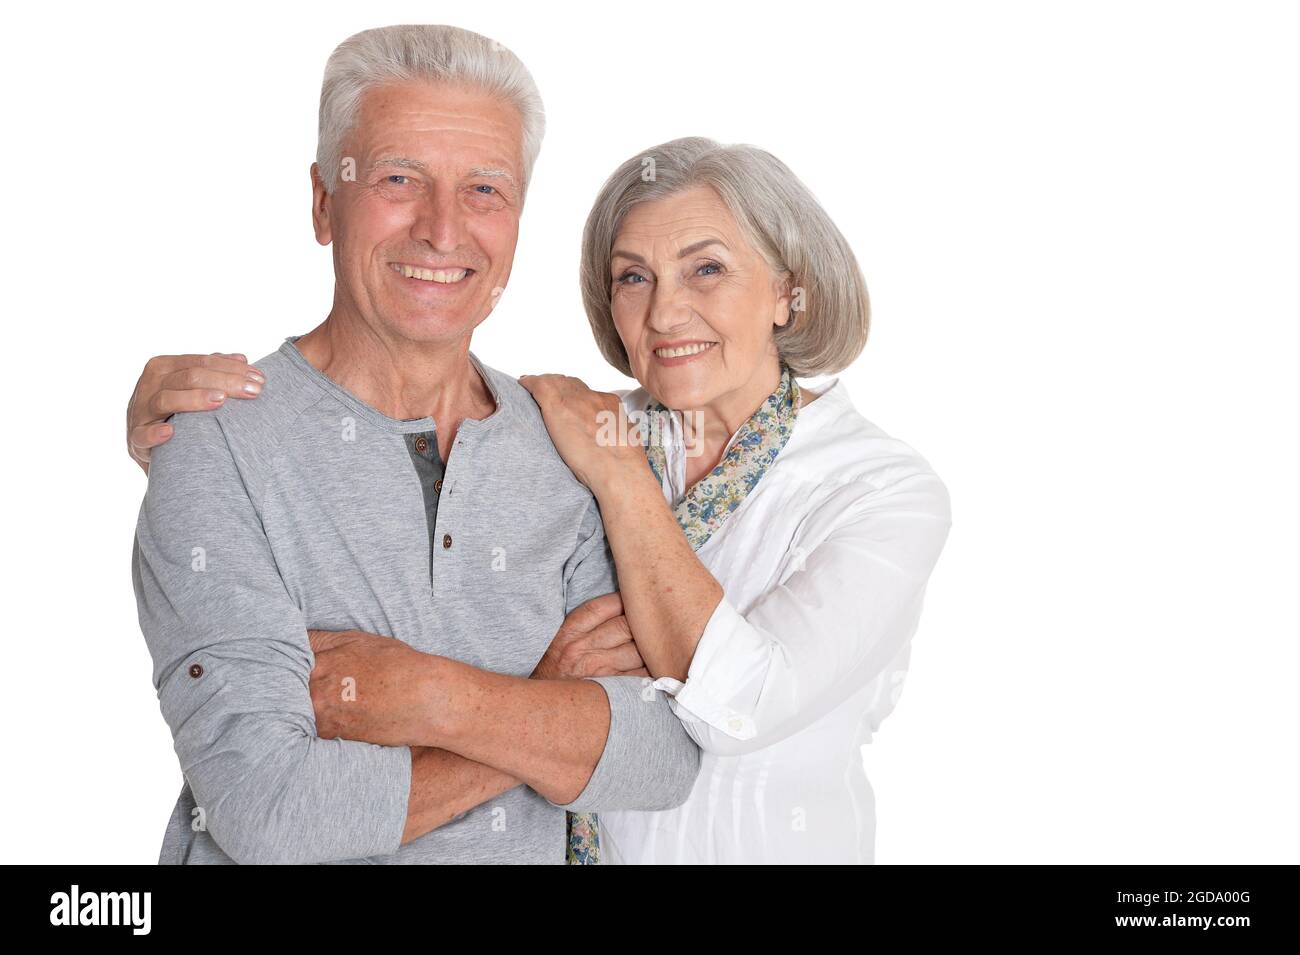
<point x="440" y="221"/>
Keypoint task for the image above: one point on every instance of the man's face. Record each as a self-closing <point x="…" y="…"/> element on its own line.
<point x="427" y="229"/>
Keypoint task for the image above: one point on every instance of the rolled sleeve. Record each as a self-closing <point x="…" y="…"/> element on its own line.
<point x="231" y="666"/>
<point x="649" y="761"/>
<point x="849" y="607"/>
<point x="730" y="656"/>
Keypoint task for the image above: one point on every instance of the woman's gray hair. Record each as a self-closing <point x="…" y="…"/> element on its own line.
<point x="443" y="54"/>
<point x="830" y="312"/>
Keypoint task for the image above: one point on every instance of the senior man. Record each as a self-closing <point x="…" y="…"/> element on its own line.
<point x="389" y="484"/>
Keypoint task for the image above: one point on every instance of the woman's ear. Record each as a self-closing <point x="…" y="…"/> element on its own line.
<point x="320" y="207"/>
<point x="784" y="297"/>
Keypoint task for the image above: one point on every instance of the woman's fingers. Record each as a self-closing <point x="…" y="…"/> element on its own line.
<point x="147" y="436"/>
<point x="236" y="380"/>
<point x="139" y="441"/>
<point x="172" y="383"/>
<point x="162" y="365"/>
<point x="167" y="402"/>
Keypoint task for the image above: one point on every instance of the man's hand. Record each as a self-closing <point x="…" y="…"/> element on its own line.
<point x="172" y="383"/>
<point x="380" y="690"/>
<point x="372" y="688"/>
<point x="594" y="640"/>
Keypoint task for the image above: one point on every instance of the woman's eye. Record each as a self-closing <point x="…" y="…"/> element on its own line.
<point x="623" y="279"/>
<point x="708" y="265"/>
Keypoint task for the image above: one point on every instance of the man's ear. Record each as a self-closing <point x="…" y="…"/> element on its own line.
<point x="320" y="208"/>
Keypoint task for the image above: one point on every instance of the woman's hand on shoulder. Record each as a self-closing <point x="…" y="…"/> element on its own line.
<point x="589" y="428"/>
<point x="172" y="383"/>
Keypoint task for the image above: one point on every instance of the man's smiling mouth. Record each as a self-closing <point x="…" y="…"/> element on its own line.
<point x="441" y="276"/>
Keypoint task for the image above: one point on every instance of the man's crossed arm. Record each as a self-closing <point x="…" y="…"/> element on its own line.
<point x="233" y="667"/>
<point x="475" y="734"/>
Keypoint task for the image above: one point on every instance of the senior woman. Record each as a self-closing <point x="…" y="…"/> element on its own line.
<point x="773" y="556"/>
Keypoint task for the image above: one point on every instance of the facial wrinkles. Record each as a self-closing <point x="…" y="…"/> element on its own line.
<point x="658" y="245"/>
<point x="409" y="111"/>
<point x="449" y="139"/>
<point x="455" y="133"/>
<point x="708" y="307"/>
<point x="470" y="148"/>
<point x="724" y="307"/>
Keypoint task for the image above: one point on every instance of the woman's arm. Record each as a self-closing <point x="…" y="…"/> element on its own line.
<point x="846" y="610"/>
<point x="740" y="682"/>
<point x="172" y="383"/>
<point x="669" y="595"/>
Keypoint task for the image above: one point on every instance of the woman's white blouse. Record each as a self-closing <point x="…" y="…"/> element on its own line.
<point x="824" y="566"/>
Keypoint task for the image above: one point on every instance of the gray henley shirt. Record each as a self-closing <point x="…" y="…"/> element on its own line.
<point x="309" y="509"/>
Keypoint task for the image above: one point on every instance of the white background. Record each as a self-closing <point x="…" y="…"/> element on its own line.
<point x="1078" y="224"/>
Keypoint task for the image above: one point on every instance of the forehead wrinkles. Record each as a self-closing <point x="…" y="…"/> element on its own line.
<point x="421" y="119"/>
<point x="669" y="235"/>
<point x="463" y="159"/>
<point x="388" y="127"/>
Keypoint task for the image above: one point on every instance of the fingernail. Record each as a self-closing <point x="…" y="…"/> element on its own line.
<point x="257" y="376"/>
<point x="216" y="396"/>
<point x="252" y="388"/>
<point x="165" y="431"/>
<point x="240" y="355"/>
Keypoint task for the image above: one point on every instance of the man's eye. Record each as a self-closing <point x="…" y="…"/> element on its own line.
<point x="490" y="189"/>
<point x="397" y="179"/>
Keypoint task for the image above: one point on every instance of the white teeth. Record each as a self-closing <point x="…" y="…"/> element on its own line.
<point x="442" y="276"/>
<point x="684" y="350"/>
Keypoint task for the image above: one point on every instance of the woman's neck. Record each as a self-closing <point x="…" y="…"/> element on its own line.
<point x="716" y="428"/>
<point x="709" y="427"/>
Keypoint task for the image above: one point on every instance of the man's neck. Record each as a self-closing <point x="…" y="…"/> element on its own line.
<point x="402" y="379"/>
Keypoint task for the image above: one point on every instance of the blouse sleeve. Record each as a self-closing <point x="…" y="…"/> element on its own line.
<point x="829" y="629"/>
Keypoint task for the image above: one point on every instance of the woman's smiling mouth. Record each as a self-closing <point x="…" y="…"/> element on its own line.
<point x="680" y="354"/>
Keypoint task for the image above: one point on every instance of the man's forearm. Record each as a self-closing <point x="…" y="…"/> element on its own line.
<point x="549" y="734"/>
<point x="446" y="784"/>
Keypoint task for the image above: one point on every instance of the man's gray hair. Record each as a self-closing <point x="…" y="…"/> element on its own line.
<point x="830" y="312"/>
<point x="438" y="54"/>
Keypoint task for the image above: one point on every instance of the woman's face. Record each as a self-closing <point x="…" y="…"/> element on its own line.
<point x="693" y="302"/>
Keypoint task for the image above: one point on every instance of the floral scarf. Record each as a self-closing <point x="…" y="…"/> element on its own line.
<point x="704" y="509"/>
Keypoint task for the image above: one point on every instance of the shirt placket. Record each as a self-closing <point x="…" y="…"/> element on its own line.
<point x="448" y="544"/>
<point x="423" y="448"/>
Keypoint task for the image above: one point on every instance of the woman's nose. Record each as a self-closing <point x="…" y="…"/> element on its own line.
<point x="670" y="309"/>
